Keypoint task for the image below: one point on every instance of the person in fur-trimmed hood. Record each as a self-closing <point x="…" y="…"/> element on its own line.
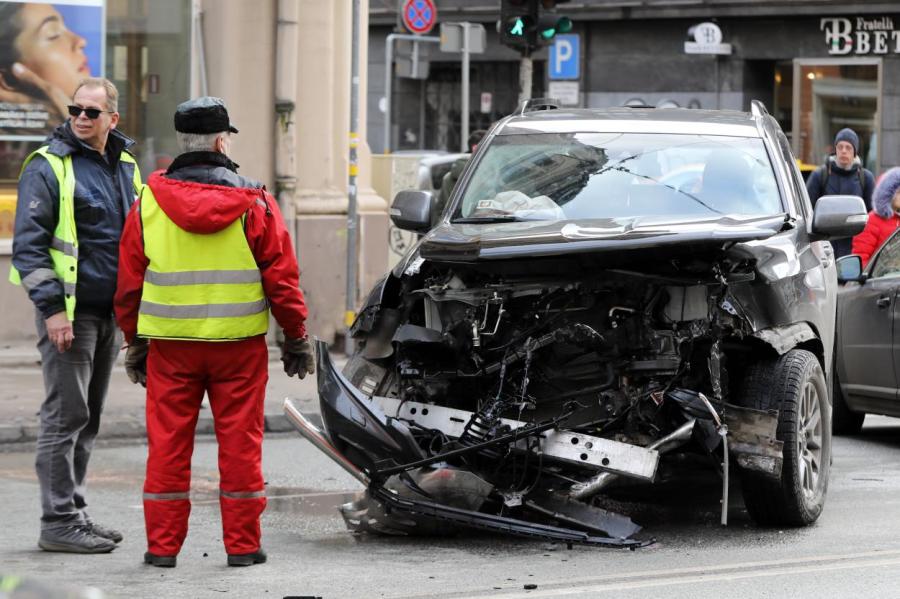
<point x="883" y="219"/>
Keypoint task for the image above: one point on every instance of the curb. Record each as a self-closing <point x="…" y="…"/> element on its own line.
<point x="134" y="428"/>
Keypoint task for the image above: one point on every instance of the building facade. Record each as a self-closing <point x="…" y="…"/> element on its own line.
<point x="818" y="66"/>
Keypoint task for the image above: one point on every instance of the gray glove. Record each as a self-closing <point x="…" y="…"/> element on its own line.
<point x="298" y="358"/>
<point x="136" y="361"/>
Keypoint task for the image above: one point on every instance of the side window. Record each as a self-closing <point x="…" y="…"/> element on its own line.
<point x="887" y="263"/>
<point x="801" y="200"/>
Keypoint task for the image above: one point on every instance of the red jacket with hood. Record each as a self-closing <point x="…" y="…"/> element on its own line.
<point x="883" y="219"/>
<point x="202" y="193"/>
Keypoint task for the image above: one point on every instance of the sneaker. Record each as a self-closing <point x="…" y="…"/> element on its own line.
<point x="160" y="561"/>
<point x="247" y="559"/>
<point x="77" y="538"/>
<point x="107" y="533"/>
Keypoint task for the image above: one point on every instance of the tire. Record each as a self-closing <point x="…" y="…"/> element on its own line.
<point x="844" y="421"/>
<point x="795" y="385"/>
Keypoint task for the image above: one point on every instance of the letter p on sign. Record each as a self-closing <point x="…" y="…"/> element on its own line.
<point x="565" y="62"/>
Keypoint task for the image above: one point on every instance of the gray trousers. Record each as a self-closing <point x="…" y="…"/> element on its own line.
<point x="75" y="384"/>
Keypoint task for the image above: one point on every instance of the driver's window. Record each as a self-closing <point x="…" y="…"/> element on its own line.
<point x="887" y="263"/>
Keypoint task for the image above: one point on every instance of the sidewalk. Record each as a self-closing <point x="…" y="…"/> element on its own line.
<point x="22" y="392"/>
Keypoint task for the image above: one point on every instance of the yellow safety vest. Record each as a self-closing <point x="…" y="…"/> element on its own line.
<point x="64" y="245"/>
<point x="198" y="286"/>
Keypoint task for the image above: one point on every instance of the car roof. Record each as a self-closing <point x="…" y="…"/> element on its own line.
<point x="634" y="120"/>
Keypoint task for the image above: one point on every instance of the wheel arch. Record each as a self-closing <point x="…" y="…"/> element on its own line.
<point x="800" y="335"/>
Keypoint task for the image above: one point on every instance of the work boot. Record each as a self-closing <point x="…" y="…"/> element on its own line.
<point x="160" y="561"/>
<point x="77" y="538"/>
<point x="247" y="559"/>
<point x="107" y="533"/>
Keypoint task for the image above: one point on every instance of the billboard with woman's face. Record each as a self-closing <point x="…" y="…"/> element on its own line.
<point x="46" y="48"/>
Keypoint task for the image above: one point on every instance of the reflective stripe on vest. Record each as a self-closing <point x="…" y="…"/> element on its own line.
<point x="64" y="243"/>
<point x="198" y="286"/>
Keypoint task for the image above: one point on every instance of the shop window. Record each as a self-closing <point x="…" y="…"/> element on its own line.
<point x="831" y="95"/>
<point x="148" y="57"/>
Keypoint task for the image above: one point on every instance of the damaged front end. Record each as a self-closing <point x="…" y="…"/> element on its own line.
<point x="508" y="395"/>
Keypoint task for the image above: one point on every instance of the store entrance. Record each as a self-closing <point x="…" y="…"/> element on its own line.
<point x="830" y="95"/>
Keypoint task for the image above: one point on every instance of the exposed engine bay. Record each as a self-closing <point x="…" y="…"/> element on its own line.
<point x="523" y="389"/>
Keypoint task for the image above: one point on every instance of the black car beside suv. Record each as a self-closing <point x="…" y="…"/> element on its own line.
<point x="607" y="290"/>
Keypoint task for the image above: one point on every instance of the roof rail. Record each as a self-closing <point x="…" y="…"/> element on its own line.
<point x="757" y="108"/>
<point x="537" y="104"/>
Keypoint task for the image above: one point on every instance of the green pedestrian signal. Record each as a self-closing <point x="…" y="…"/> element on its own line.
<point x="529" y="25"/>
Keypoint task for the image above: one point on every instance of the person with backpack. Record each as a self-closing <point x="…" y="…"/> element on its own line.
<point x="842" y="174"/>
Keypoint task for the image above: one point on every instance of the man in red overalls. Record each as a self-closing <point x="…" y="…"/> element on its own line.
<point x="203" y="255"/>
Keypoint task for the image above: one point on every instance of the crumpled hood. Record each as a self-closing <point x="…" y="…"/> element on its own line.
<point x="201" y="207"/>
<point x="472" y="242"/>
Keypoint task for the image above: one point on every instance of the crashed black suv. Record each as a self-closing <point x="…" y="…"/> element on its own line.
<point x="606" y="290"/>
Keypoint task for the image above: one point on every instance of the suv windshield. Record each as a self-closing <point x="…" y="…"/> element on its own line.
<point x="574" y="176"/>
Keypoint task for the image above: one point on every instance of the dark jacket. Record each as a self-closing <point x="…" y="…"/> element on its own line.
<point x="202" y="193"/>
<point x="841" y="181"/>
<point x="104" y="193"/>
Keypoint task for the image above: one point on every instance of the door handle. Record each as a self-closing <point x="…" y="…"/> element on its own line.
<point x="883" y="301"/>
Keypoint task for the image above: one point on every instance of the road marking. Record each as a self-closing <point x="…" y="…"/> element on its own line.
<point x="682" y="580"/>
<point x="699" y="574"/>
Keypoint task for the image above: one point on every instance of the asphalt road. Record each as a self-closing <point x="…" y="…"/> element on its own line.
<point x="853" y="551"/>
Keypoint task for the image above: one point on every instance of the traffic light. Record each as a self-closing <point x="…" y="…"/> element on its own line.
<point x="517" y="21"/>
<point x="527" y="25"/>
<point x="549" y="24"/>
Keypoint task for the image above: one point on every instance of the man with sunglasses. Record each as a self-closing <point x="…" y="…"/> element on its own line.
<point x="73" y="195"/>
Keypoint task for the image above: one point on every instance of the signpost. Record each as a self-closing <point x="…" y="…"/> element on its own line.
<point x="467" y="38"/>
<point x="708" y="40"/>
<point x="565" y="57"/>
<point x="419" y="16"/>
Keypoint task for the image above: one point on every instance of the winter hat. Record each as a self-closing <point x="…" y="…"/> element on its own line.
<point x="850" y="136"/>
<point x="884" y="192"/>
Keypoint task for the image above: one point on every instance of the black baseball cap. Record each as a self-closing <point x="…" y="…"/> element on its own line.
<point x="203" y="115"/>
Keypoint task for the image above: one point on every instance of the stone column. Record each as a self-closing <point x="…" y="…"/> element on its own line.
<point x="323" y="129"/>
<point x="239" y="39"/>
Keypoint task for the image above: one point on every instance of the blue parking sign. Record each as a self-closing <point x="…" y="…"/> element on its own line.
<point x="565" y="59"/>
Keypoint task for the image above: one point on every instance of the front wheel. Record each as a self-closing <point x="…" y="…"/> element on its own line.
<point x="794" y="384"/>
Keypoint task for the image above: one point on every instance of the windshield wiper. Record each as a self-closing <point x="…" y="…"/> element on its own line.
<point x="495" y="218"/>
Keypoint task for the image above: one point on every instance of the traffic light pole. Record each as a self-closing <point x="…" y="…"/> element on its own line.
<point x="526" y="69"/>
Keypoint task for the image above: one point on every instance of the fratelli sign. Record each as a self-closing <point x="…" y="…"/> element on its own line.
<point x="861" y="35"/>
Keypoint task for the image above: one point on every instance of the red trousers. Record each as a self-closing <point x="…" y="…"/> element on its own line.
<point x="234" y="375"/>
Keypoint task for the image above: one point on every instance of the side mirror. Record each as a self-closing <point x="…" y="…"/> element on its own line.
<point x="411" y="210"/>
<point x="838" y="216"/>
<point x="849" y="268"/>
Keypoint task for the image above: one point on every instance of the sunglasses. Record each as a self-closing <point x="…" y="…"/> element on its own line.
<point x="91" y="113"/>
